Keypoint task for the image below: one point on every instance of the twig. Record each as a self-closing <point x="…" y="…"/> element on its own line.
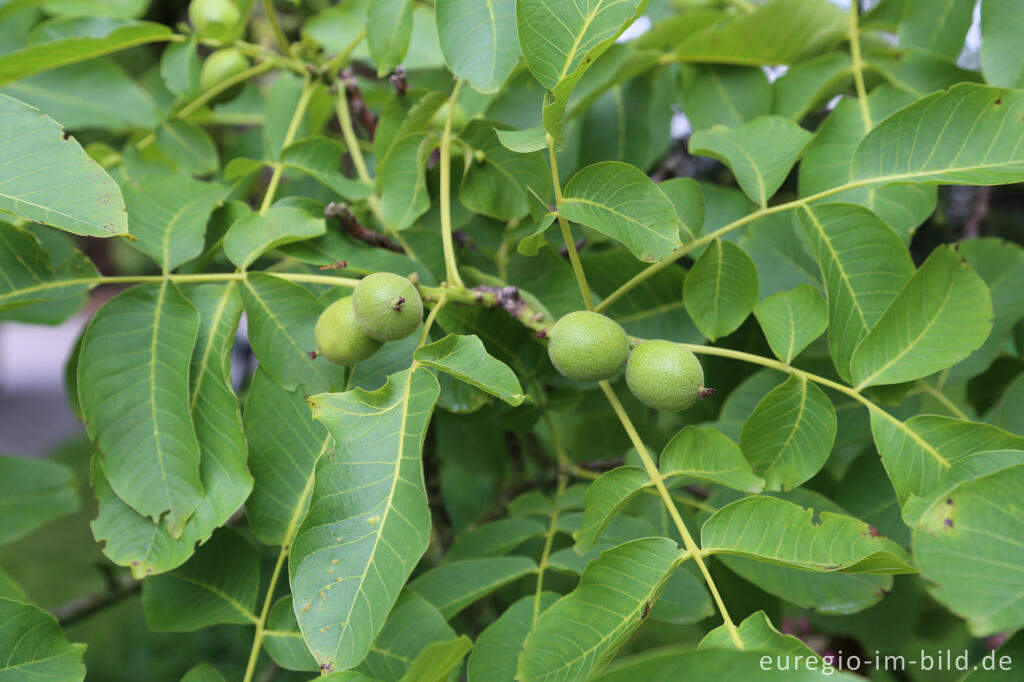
<point x="80" y="608"/>
<point x="399" y="81"/>
<point x="982" y="200"/>
<point x="354" y="229"/>
<point x="356" y="103"/>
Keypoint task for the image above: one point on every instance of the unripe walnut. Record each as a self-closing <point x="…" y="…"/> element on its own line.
<point x="387" y="307"/>
<point x="664" y="375"/>
<point x="215" y="19"/>
<point x="220" y="66"/>
<point x="339" y="338"/>
<point x="588" y="346"/>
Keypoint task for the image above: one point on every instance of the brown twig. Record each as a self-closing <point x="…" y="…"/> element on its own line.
<point x="354" y="229"/>
<point x="80" y="608"/>
<point x="357" y="105"/>
<point x="398" y="80"/>
<point x="982" y="200"/>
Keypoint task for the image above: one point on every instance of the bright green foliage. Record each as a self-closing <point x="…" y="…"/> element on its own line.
<point x="587" y="346"/>
<point x="246" y="208"/>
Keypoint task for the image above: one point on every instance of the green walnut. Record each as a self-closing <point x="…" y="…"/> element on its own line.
<point x="339" y="338"/>
<point x="587" y="346"/>
<point x="387" y="307"/>
<point x="216" y="19"/>
<point x="220" y="66"/>
<point x="665" y="376"/>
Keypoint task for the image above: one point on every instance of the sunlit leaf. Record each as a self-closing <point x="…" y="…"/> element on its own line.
<point x="466" y="359"/>
<point x="721" y="289"/>
<point x="791" y="320"/>
<point x="255" y="234"/>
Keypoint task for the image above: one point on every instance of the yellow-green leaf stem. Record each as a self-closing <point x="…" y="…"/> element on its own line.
<point x="570" y="244"/>
<point x="451" y="267"/>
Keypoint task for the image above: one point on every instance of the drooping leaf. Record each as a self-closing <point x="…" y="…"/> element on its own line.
<point x="218" y="585"/>
<point x="941" y="315"/>
<point x="413" y="624"/>
<point x="721" y="289"/>
<point x="168" y="216"/>
<point x="388" y="29"/>
<point x="45" y="55"/>
<point x="54" y="182"/>
<point x="938" y="27"/>
<point x="757" y="634"/>
<point x="864" y="266"/>
<point x="778" y="532"/>
<point x="453" y="586"/>
<point x="33" y="492"/>
<point x="368" y="513"/>
<point x="760" y="153"/>
<point x="708" y="455"/>
<point x="498" y="182"/>
<point x="724" y="95"/>
<point x="284" y="446"/>
<point x="466" y="359"/>
<point x="283" y="639"/>
<point x="319" y="158"/>
<point x="968" y="548"/>
<point x="918" y="451"/>
<point x="790" y="434"/>
<point x="620" y="201"/>
<point x="282" y="317"/>
<point x="255" y="234"/>
<point x="32" y="645"/>
<point x="791" y="320"/>
<point x="777" y="32"/>
<point x="623" y="581"/>
<point x="133" y="384"/>
<point x="401" y="174"/>
<point x="479" y="40"/>
<point x="497" y="648"/>
<point x="523" y="141"/>
<point x="808" y="83"/>
<point x="961" y="136"/>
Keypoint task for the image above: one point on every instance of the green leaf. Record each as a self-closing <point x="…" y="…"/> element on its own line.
<point x="411" y="627"/>
<point x="620" y="201"/>
<point x="466" y="359"/>
<point x="133" y="540"/>
<point x="790" y="434"/>
<point x="791" y="320"/>
<point x="30" y="282"/>
<point x="438" y="660"/>
<point x="808" y="83"/>
<point x="608" y="495"/>
<point x="188" y="147"/>
<point x="603" y="611"/>
<point x="670" y="664"/>
<point x="479" y="40"/>
<point x="757" y="634"/>
<point x="179" y="68"/>
<point x="779" y="532"/>
<point x="760" y="153"/>
<point x="916" y="453"/>
<point x="134" y="390"/>
<point x="560" y="40"/>
<point x="725" y="95"/>
<point x="684" y="601"/>
<point x="33" y="492"/>
<point x="282" y="317"/>
<point x="283" y="640"/>
<point x="256" y="233"/>
<point x="284" y="446"/>
<point x="168" y="215"/>
<point x="938" y="27"/>
<point x="493" y="539"/>
<point x="204" y="672"/>
<point x="42" y="56"/>
<point x="708" y="455"/>
<point x="864" y="266"/>
<point x="777" y="32"/>
<point x="941" y="315"/>
<point x="68" y="95"/>
<point x="57" y="183"/>
<point x="388" y="29"/>
<point x="451" y="587"/>
<point x="968" y="548"/>
<point x="497" y="182"/>
<point x="368" y="512"/>
<point x="686" y="197"/>
<point x="317" y="157"/>
<point x="1002" y="54"/>
<point x="32" y="645"/>
<point x="523" y="141"/>
<point x="218" y="585"/>
<point x="721" y="289"/>
<point x="497" y="648"/>
<point x="401" y="175"/>
<point x="960" y="137"/>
